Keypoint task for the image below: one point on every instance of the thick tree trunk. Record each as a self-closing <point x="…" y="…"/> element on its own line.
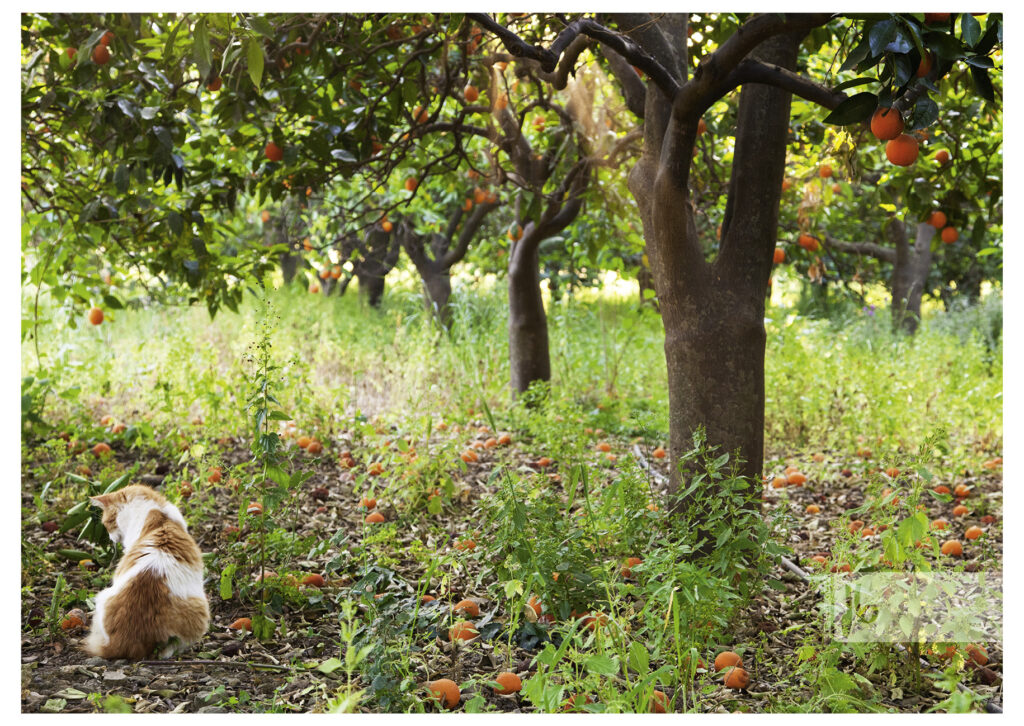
<point x="529" y="357"/>
<point x="909" y="273"/>
<point x="371" y="288"/>
<point x="289" y="266"/>
<point x="438" y="287"/>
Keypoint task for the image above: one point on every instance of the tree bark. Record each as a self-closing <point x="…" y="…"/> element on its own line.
<point x="910" y="273"/>
<point x="529" y="357"/>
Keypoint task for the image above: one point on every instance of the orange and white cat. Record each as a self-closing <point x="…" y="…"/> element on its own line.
<point x="156" y="600"/>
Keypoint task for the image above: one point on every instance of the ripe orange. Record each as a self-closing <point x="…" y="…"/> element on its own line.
<point x="420" y="115"/>
<point x="375" y="518"/>
<point x="796" y="479"/>
<point x="411" y="183"/>
<point x="386" y="225"/>
<point x="427" y="598"/>
<point x="264" y="216"/>
<point x="820" y="559"/>
<point x="509" y="682"/>
<point x="215" y="84"/>
<point x="505" y="439"/>
<point x="886" y="124"/>
<point x="779" y="256"/>
<point x="604" y="446"/>
<point x="658" y="702"/>
<point x="594" y="621"/>
<point x="937" y="219"/>
<point x="254" y="508"/>
<point x="813" y="509"/>
<point x="313" y="580"/>
<point x="942" y="156"/>
<point x="779" y="482"/>
<point x="974" y="532"/>
<point x="856" y="525"/>
<point x="931" y="18"/>
<point x="470" y="93"/>
<point x="727" y="659"/>
<point x="462" y="630"/>
<point x="465" y="544"/>
<point x="825" y="171"/>
<point x="952" y="547"/>
<point x="273" y="152"/>
<point x="302" y="442"/>
<point x="939" y="524"/>
<point x="950" y="235"/>
<point x="631" y="562"/>
<point x="902" y="151"/>
<point x="71" y="52"/>
<point x="786" y="184"/>
<point x="544" y="462"/>
<point x="71" y="622"/>
<point x="315" y="447"/>
<point x="702" y="127"/>
<point x="368" y="502"/>
<point x="962" y="490"/>
<point x="467" y="608"/>
<point x="988" y="519"/>
<point x="809" y="243"/>
<point x="942" y="489"/>
<point x="95" y="316"/>
<point x="445" y="692"/>
<point x="100" y="449"/>
<point x="215" y="475"/>
<point x="535" y="604"/>
<point x="977" y="654"/>
<point x="467" y="205"/>
<point x="107" y="38"/>
<point x="925" y="66"/>
<point x="101" y="55"/>
<point x="736" y="678"/>
<point x="570" y="704"/>
<point x="515" y="234"/>
<point x="501" y="102"/>
<point x="960" y="510"/>
<point x="241" y="624"/>
<point x="658" y="453"/>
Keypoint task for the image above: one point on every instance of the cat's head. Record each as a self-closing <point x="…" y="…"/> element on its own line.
<point x="126" y="509"/>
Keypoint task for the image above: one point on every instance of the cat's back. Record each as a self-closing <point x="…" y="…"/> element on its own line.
<point x="166" y="550"/>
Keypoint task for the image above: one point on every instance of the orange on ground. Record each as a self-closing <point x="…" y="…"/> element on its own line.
<point x="254" y="508"/>
<point x="796" y="479"/>
<point x="604" y="446"/>
<point x="952" y="547"/>
<point x="937" y="219"/>
<point x="445" y="692"/>
<point x="273" y="152"/>
<point x="950" y="235"/>
<point x="659" y="453"/>
<point x="302" y="442"/>
<point x="658" y="702"/>
<point x="315" y="447"/>
<point x="375" y="518"/>
<point x="727" y="659"/>
<point x="902" y="151"/>
<point x="779" y="256"/>
<point x="467" y="607"/>
<point x="886" y="124"/>
<point x="544" y="462"/>
<point x="813" y="509"/>
<point x="977" y="654"/>
<point x="505" y="439"/>
<point x="427" y="598"/>
<point x="960" y="510"/>
<point x="939" y="524"/>
<point x="942" y="489"/>
<point x="892" y="472"/>
<point x="490" y="443"/>
<point x="509" y="682"/>
<point x="368" y="502"/>
<point x="962" y="490"/>
<point x="974" y="532"/>
<point x="466" y="544"/>
<point x="535" y="604"/>
<point x="779" y="482"/>
<point x="988" y="519"/>
<point x="856" y="525"/>
<point x="241" y="624"/>
<point x="314" y="580"/>
<point x="631" y="562"/>
<point x="736" y="678"/>
<point x="463" y="630"/>
<point x="100" y="449"/>
<point x="570" y="704"/>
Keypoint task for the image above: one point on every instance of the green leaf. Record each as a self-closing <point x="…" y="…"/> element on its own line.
<point x="602" y="665"/>
<point x="201" y="48"/>
<point x="982" y="83"/>
<point x="226" y="587"/>
<point x="342" y="155"/>
<point x="329" y="666"/>
<point x="639" y="658"/>
<point x="263" y="627"/>
<point x="854" y="82"/>
<point x="970" y="29"/>
<point x="254" y="60"/>
<point x="855" y="109"/>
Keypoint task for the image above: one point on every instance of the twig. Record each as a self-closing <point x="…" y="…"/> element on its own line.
<point x="225" y="663"/>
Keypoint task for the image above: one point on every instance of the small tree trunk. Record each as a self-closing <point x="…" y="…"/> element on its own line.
<point x="371" y="288"/>
<point x="909" y="273"/>
<point x="529" y="357"/>
<point x="438" y="286"/>
<point x="289" y="266"/>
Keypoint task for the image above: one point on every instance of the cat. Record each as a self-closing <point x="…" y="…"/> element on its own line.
<point x="156" y="601"/>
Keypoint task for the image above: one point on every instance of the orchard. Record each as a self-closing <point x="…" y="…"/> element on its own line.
<point x="518" y="362"/>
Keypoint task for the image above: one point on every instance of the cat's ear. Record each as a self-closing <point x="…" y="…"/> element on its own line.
<point x="102" y="501"/>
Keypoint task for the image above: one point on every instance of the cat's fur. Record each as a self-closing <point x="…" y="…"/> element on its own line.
<point x="156" y="597"/>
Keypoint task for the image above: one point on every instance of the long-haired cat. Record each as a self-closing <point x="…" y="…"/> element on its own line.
<point x="156" y="598"/>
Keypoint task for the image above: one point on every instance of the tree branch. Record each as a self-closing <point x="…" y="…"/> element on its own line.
<point x="753" y="71"/>
<point x="634" y="91"/>
<point x="469" y="230"/>
<point x="867" y="249"/>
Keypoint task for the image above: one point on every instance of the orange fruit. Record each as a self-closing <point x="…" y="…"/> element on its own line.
<point x="902" y="151"/>
<point x="820" y="559"/>
<point x="95" y="316"/>
<point x="445" y="692"/>
<point x="952" y="547"/>
<point x="813" y="509"/>
<point x="264" y="216"/>
<point x="594" y="621"/>
<point x="962" y="490"/>
<point x="796" y="479"/>
<point x="604" y="446"/>
<point x="467" y="607"/>
<point x="505" y="439"/>
<point x="509" y="682"/>
<point x="368" y="502"/>
<point x="779" y="482"/>
<point x="465" y="544"/>
<point x="779" y="256"/>
<point x="988" y="519"/>
<point x="241" y="624"/>
<point x="470" y="93"/>
<point x="273" y="152"/>
<point x="659" y="453"/>
<point x="315" y="447"/>
<point x="702" y="127"/>
<point x="107" y="38"/>
<point x="631" y="562"/>
<point x="254" y="508"/>
<point x="386" y="225"/>
<point x="809" y="243"/>
<point x="950" y="235"/>
<point x="535" y="604"/>
<point x="185" y="490"/>
<point x="939" y="524"/>
<point x="886" y="124"/>
<point x="215" y="84"/>
<point x="931" y="18"/>
<point x="960" y="510"/>
<point x="658" y="703"/>
<point x="479" y="195"/>
<point x="892" y="472"/>
<point x="942" y="156"/>
<point x="71" y="52"/>
<point x="727" y="659"/>
<point x="490" y="443"/>
<point x="942" y="489"/>
<point x="420" y="115"/>
<point x="973" y="532"/>
<point x="100" y="449"/>
<point x="937" y="219"/>
<point x="463" y="630"/>
<point x="856" y="525"/>
<point x="836" y="188"/>
<point x="101" y="55"/>
<point x="501" y="102"/>
<point x="313" y="580"/>
<point x="736" y="678"/>
<point x="570" y="704"/>
<point x="786" y="184"/>
<point x="411" y="183"/>
<point x="302" y="442"/>
<point x="71" y="622"/>
<point x="375" y="518"/>
<point x="427" y="598"/>
<point x="825" y="171"/>
<point x="925" y="66"/>
<point x="544" y="462"/>
<point x="467" y="205"/>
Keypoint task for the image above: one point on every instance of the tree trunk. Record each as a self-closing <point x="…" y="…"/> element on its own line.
<point x="909" y="273"/>
<point x="371" y="287"/>
<point x="438" y="286"/>
<point x="529" y="357"/>
<point x="289" y="266"/>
